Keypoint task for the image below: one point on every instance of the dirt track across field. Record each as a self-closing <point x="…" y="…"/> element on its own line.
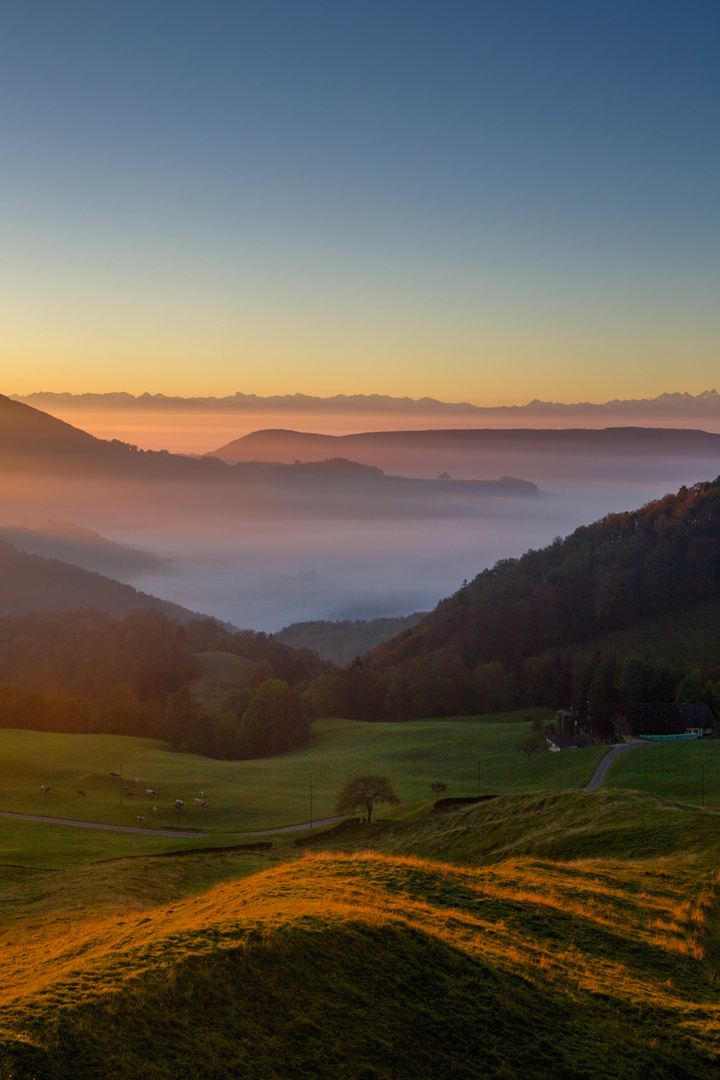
<point x="139" y="830"/>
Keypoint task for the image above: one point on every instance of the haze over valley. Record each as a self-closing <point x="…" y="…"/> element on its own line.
<point x="281" y="527"/>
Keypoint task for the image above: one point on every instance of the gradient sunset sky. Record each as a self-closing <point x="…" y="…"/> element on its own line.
<point x="486" y="201"/>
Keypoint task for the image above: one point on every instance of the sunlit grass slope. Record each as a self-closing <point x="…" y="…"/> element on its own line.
<point x="673" y="771"/>
<point x="272" y="792"/>
<point x="555" y="825"/>
<point x="376" y="966"/>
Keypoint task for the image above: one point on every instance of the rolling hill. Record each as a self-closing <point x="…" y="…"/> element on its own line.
<point x="543" y="455"/>
<point x="377" y="964"/>
<point x="81" y="547"/>
<point x="43" y="459"/>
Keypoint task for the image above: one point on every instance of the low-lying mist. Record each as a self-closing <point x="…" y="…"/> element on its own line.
<point x="375" y="524"/>
<point x="264" y="564"/>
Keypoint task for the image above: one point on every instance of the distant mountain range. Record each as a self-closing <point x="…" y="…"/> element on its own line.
<point x="706" y="403"/>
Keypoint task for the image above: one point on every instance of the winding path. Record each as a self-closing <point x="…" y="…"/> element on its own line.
<point x="604" y="767"/>
<point x="140" y="831"/>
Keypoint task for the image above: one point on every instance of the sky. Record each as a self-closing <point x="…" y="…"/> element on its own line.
<point x="481" y="201"/>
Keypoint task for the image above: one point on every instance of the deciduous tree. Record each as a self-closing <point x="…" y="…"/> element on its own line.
<point x="363" y="792"/>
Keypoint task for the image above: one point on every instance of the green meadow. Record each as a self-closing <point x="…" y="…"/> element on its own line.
<point x="671" y="770"/>
<point x="246" y="796"/>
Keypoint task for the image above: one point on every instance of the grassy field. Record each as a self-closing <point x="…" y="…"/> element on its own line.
<point x="470" y="961"/>
<point x="673" y="771"/>
<point x="271" y="792"/>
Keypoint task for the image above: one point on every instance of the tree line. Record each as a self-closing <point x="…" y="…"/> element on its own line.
<point x="83" y="672"/>
<point x="442" y="686"/>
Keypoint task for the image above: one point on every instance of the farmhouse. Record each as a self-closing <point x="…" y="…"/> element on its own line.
<point x="562" y="735"/>
<point x="656" y="722"/>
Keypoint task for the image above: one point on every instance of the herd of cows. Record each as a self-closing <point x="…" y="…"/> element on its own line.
<point x="127" y="793"/>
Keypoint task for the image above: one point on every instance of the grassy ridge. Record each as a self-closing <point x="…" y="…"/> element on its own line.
<point x="566" y="825"/>
<point x="375" y="966"/>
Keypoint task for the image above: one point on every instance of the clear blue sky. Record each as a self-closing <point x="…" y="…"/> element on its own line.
<point x="479" y="201"/>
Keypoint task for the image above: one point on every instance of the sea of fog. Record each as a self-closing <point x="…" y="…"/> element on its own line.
<point x="265" y="574"/>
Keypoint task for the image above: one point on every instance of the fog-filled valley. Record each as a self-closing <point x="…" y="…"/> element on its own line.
<point x="307" y="526"/>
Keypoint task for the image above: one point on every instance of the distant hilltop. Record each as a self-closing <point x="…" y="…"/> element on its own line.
<point x="679" y="404"/>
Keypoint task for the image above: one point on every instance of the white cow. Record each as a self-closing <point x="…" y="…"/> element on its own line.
<point x="200" y="802"/>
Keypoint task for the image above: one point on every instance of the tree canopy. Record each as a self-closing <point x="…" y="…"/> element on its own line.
<point x="363" y="793"/>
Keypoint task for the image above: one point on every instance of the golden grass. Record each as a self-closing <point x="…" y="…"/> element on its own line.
<point x="633" y="931"/>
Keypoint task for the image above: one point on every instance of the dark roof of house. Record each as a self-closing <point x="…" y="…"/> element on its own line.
<point x="653" y="718"/>
<point x="565" y="742"/>
<point x="696" y="716"/>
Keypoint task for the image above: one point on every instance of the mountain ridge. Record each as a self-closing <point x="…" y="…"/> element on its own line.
<point x="706" y="400"/>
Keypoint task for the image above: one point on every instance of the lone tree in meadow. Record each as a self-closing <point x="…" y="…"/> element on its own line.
<point x="531" y="743"/>
<point x="363" y="792"/>
<point x="438" y="788"/>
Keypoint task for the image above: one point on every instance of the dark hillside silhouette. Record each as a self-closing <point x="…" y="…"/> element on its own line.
<point x="35" y="583"/>
<point x="85" y="672"/>
<point x="548" y="628"/>
<point x="37" y="448"/>
<point x="543" y="454"/>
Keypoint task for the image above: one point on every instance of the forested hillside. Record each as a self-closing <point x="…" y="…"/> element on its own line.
<point x="83" y="671"/>
<point x="538" y="630"/>
<point x="344" y="639"/>
<point x="605" y="576"/>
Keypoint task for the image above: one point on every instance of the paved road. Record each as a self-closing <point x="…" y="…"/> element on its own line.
<point x="138" y="829"/>
<point x="99" y="825"/>
<point x="604" y="767"/>
<point x="295" y="828"/>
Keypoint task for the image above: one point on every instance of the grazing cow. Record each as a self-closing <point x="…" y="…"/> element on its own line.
<point x="152" y="792"/>
<point x="179" y="803"/>
<point x="200" y="802"/>
<point x="155" y="809"/>
<point x="44" y="788"/>
<point x="136" y="779"/>
<point x="114" y="775"/>
<point x="141" y="821"/>
<point x="80" y="791"/>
